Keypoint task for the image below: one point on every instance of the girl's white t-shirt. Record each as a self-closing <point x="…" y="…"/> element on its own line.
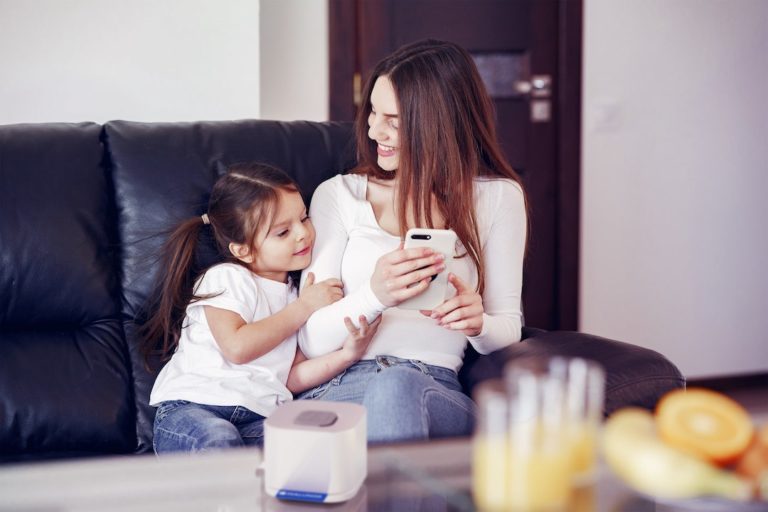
<point x="199" y="372"/>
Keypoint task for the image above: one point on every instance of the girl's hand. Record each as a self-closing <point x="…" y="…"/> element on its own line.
<point x="404" y="273"/>
<point x="316" y="296"/>
<point x="358" y="340"/>
<point x="463" y="312"/>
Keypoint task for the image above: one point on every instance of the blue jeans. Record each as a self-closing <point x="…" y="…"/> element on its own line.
<point x="406" y="400"/>
<point x="182" y="426"/>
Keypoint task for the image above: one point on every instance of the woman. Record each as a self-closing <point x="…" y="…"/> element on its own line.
<point x="428" y="157"/>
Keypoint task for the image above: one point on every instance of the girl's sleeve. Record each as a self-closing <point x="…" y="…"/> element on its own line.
<point x="330" y="211"/>
<point x="224" y="287"/>
<point x="503" y="256"/>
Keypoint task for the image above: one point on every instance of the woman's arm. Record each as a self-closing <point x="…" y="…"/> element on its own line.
<point x="504" y="253"/>
<point x="330" y="211"/>
<point x="389" y="285"/>
<point x="308" y="373"/>
<point x="494" y="320"/>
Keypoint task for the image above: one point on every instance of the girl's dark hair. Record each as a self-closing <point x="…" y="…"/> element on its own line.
<point x="242" y="201"/>
<point x="447" y="137"/>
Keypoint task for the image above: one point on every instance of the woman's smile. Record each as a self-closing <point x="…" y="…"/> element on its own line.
<point x="385" y="151"/>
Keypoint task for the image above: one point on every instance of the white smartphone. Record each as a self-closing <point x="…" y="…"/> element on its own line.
<point x="440" y="240"/>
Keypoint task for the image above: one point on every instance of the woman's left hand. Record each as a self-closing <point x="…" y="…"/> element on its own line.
<point x="463" y="312"/>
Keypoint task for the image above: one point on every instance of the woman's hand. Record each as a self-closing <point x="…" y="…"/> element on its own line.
<point x="358" y="340"/>
<point x="463" y="312"/>
<point x="405" y="273"/>
<point x="316" y="296"/>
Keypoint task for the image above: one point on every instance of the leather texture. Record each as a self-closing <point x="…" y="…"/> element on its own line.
<point x="635" y="376"/>
<point x="65" y="381"/>
<point x="84" y="209"/>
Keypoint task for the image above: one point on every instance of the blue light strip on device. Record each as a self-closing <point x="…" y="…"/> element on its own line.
<point x="313" y="497"/>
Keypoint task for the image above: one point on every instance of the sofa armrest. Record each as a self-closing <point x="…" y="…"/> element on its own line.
<point x="634" y="375"/>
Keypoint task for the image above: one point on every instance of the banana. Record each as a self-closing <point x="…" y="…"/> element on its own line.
<point x="634" y="452"/>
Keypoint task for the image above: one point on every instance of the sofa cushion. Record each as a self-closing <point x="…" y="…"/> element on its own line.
<point x="64" y="380"/>
<point x="163" y="173"/>
<point x="635" y="376"/>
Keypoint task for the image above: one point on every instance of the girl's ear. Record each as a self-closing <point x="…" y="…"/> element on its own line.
<point x="241" y="252"/>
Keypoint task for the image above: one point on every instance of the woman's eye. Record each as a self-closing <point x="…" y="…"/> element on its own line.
<point x="305" y="219"/>
<point x="393" y="124"/>
<point x="282" y="233"/>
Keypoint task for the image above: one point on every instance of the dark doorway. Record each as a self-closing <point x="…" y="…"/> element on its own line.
<point x="529" y="54"/>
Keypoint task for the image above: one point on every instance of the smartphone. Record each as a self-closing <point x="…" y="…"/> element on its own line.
<point x="440" y="240"/>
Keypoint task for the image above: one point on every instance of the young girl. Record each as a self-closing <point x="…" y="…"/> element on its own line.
<point x="232" y="330"/>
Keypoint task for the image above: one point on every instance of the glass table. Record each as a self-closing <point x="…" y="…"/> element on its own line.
<point x="433" y="476"/>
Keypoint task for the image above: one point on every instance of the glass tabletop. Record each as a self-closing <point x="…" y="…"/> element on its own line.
<point x="432" y="476"/>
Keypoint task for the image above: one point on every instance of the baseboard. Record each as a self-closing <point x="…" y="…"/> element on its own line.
<point x="731" y="382"/>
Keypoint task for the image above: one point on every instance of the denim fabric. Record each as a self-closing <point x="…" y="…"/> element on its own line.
<point x="182" y="426"/>
<point x="406" y="400"/>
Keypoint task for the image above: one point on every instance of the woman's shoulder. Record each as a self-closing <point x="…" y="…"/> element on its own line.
<point x="343" y="185"/>
<point x="498" y="188"/>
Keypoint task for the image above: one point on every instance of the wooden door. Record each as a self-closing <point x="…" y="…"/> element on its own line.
<point x="528" y="53"/>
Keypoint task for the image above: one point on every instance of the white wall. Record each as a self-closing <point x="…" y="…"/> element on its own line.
<point x="675" y="180"/>
<point x="294" y="59"/>
<point x="142" y="60"/>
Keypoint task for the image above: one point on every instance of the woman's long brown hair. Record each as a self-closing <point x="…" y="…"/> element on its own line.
<point x="447" y="138"/>
<point x="242" y="201"/>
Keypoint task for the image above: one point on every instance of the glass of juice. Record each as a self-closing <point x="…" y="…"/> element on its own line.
<point x="539" y="454"/>
<point x="490" y="476"/>
<point x="584" y="403"/>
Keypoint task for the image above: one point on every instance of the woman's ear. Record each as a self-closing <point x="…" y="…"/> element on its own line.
<point x="241" y="252"/>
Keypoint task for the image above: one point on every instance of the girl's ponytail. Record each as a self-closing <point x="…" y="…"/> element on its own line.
<point x="175" y="291"/>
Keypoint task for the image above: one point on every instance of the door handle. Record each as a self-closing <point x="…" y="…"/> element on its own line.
<point x="539" y="90"/>
<point x="539" y="86"/>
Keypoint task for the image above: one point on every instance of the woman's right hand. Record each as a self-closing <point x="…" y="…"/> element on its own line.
<point x="318" y="295"/>
<point x="405" y="273"/>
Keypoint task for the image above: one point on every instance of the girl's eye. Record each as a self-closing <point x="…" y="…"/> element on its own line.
<point x="305" y="219"/>
<point x="282" y="233"/>
<point x="393" y="124"/>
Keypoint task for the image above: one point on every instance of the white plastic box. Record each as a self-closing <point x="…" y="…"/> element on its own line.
<point x="315" y="451"/>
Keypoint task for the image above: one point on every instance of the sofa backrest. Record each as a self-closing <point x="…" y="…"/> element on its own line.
<point x="83" y="211"/>
<point x="65" y="385"/>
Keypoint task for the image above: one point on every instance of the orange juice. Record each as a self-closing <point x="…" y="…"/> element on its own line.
<point x="490" y="478"/>
<point x="539" y="468"/>
<point x="539" y="480"/>
<point x="582" y="438"/>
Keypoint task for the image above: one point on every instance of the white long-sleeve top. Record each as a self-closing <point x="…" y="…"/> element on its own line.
<point x="349" y="241"/>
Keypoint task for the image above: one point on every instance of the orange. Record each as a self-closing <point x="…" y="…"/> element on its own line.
<point x="704" y="423"/>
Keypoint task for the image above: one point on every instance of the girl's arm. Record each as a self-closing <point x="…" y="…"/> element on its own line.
<point x="308" y="373"/>
<point x="241" y="342"/>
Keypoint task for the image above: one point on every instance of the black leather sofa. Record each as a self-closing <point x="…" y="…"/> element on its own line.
<point x="83" y="209"/>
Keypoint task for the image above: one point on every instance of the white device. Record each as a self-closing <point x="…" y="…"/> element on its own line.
<point x="315" y="451"/>
<point x="440" y="240"/>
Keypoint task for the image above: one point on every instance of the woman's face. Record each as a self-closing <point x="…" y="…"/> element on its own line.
<point x="383" y="123"/>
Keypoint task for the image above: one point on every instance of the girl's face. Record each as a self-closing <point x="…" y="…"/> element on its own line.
<point x="287" y="244"/>
<point x="383" y="123"/>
